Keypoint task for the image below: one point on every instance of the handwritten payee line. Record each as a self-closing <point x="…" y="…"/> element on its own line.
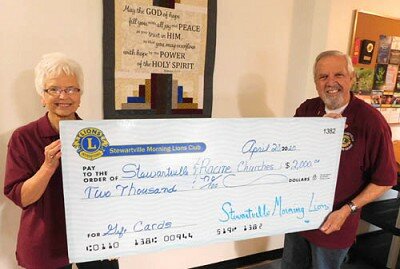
<point x="121" y="178"/>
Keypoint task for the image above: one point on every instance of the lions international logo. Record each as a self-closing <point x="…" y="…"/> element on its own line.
<point x="90" y="143"/>
<point x="348" y="141"/>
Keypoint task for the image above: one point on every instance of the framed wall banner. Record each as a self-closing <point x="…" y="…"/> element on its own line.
<point x="158" y="58"/>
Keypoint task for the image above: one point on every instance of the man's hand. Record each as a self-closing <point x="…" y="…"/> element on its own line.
<point x="335" y="220"/>
<point x="335" y="116"/>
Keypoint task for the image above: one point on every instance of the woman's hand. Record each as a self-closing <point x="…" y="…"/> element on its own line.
<point x="52" y="155"/>
<point x="34" y="187"/>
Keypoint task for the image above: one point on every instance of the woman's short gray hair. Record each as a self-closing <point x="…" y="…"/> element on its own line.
<point x="53" y="64"/>
<point x="328" y="53"/>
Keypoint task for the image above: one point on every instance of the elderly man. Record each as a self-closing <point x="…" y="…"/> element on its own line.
<point x="367" y="165"/>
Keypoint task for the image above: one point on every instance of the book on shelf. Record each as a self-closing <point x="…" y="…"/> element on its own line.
<point x="394" y="57"/>
<point x="380" y="76"/>
<point x="391" y="77"/>
<point x="376" y="98"/>
<point x="395" y="45"/>
<point x="398" y="82"/>
<point x="387" y="100"/>
<point x="396" y="101"/>
<point x="384" y="49"/>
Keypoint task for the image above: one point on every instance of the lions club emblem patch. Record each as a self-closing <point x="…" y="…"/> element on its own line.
<point x="90" y="143"/>
<point x="348" y="141"/>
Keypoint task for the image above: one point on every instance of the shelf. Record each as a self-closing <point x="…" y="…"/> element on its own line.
<point x="381" y="248"/>
<point x="383" y="214"/>
<point x="397" y="187"/>
<point x="373" y="248"/>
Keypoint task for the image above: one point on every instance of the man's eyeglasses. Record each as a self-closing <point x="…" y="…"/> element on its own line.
<point x="55" y="91"/>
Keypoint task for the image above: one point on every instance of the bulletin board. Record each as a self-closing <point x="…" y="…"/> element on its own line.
<point x="375" y="52"/>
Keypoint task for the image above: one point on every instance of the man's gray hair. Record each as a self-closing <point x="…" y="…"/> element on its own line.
<point x="53" y="64"/>
<point x="328" y="53"/>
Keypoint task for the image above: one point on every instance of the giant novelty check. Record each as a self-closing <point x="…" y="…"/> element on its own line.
<point x="133" y="186"/>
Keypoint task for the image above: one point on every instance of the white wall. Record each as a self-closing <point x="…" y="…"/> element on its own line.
<point x="265" y="51"/>
<point x="29" y="29"/>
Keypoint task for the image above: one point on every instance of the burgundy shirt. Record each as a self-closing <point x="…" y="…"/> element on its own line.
<point x="367" y="157"/>
<point x="42" y="239"/>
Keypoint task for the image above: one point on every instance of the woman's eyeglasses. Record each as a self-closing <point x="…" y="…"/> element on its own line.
<point x="55" y="91"/>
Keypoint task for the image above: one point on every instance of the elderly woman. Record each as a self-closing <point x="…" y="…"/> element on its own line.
<point x="33" y="178"/>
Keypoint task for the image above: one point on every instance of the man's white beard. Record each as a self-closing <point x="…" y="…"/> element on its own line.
<point x="333" y="102"/>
